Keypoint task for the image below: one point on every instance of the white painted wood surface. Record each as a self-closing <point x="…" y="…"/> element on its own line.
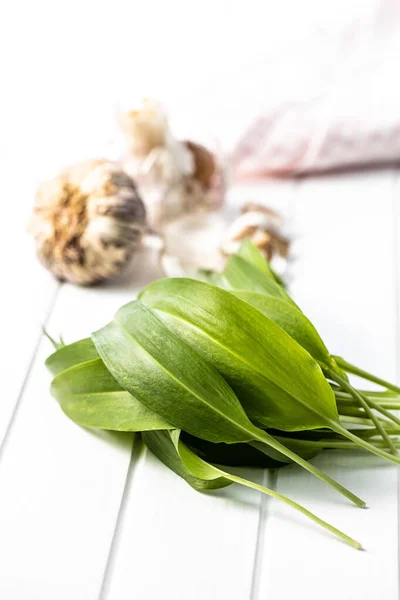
<point x="87" y="516"/>
<point x="347" y="235"/>
<point x="27" y="295"/>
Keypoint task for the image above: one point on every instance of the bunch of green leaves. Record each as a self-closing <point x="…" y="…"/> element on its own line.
<point x="219" y="373"/>
<point x="242" y="276"/>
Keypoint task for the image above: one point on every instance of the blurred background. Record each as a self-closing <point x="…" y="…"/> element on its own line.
<point x="215" y="65"/>
<point x="275" y="89"/>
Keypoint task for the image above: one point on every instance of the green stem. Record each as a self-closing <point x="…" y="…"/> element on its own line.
<point x="349" y="418"/>
<point x="356" y="415"/>
<point x="332" y="445"/>
<point x="360" y="441"/>
<point x="56" y="345"/>
<point x="273" y="443"/>
<point x="298" y="507"/>
<point x="383" y="411"/>
<point x="353" y="417"/>
<point x="365" y="375"/>
<point x="359" y="397"/>
<point x="344" y="399"/>
<point x="386" y="396"/>
<point x="366" y="433"/>
<point x="360" y="421"/>
<point x="349" y="402"/>
<point x="346" y="411"/>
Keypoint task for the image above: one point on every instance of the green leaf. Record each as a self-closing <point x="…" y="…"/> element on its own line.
<point x="90" y="396"/>
<point x="242" y="275"/>
<point x="277" y="381"/>
<point x="164" y="373"/>
<point x="160" y="369"/>
<point x="292" y="320"/>
<point x="213" y="277"/>
<point x="251" y="254"/>
<point x="162" y="446"/>
<point x="73" y="354"/>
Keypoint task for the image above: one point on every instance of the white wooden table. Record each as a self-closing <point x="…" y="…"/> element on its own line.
<point x="86" y="516"/>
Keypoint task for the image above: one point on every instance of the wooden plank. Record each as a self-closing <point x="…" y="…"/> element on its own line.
<point x="344" y="280"/>
<point x="175" y="543"/>
<point x="28" y="292"/>
<point x="61" y="485"/>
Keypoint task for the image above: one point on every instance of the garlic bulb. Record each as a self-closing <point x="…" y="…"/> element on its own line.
<point x="175" y="177"/>
<point x="263" y="226"/>
<point x="87" y="222"/>
<point x="144" y="126"/>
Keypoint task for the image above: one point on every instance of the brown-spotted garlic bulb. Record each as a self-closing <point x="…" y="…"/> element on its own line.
<point x="263" y="226"/>
<point x="88" y="222"/>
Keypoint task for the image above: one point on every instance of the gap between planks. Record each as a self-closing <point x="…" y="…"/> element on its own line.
<point x="270" y="478"/>
<point x="13" y="416"/>
<point x="138" y="452"/>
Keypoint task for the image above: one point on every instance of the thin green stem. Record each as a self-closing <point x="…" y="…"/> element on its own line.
<point x="343" y="403"/>
<point x="383" y="411"/>
<point x="386" y="396"/>
<point x="56" y="345"/>
<point x="366" y="433"/>
<point x="344" y="399"/>
<point x="360" y="441"/>
<point x="273" y="443"/>
<point x="362" y="421"/>
<point x="356" y="417"/>
<point x="357" y="396"/>
<point x="365" y="375"/>
<point x="333" y="445"/>
<point x="367" y="422"/>
<point x="298" y="507"/>
<point x="346" y="411"/>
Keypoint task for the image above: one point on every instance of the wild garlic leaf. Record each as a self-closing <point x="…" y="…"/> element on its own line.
<point x="90" y="396"/>
<point x="162" y="446"/>
<point x="292" y="320"/>
<point x="164" y="373"/>
<point x="251" y="254"/>
<point x="73" y="354"/>
<point x="213" y="277"/>
<point x="242" y="275"/>
<point x="82" y="402"/>
<point x="279" y="384"/>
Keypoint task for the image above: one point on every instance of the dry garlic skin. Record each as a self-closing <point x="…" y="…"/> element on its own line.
<point x="88" y="222"/>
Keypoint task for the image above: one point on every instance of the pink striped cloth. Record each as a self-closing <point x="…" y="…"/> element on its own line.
<point x="350" y="118"/>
